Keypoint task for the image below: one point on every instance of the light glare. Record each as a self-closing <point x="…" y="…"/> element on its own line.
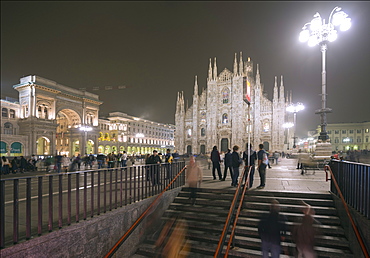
<point x="304" y="35"/>
<point x="346" y="24"/>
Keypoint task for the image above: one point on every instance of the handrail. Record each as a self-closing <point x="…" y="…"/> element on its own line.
<point x="246" y="186"/>
<point x="229" y="217"/>
<point x="138" y="221"/>
<point x="357" y="233"/>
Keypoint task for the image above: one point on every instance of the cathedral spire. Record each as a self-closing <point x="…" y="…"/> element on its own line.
<point x="282" y="98"/>
<point x="210" y="70"/>
<point x="241" y="68"/>
<point x="235" y="66"/>
<point x="275" y="97"/>
<point x="258" y="77"/>
<point x="196" y="86"/>
<point x="215" y="70"/>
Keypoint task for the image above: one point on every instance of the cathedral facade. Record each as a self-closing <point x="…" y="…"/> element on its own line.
<point x="220" y="116"/>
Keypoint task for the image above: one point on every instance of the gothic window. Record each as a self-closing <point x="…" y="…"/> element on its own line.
<point x="225" y="96"/>
<point x="203" y="116"/>
<point x="12" y="113"/>
<point x="266" y="126"/>
<point x="225" y="119"/>
<point x="8" y="128"/>
<point x="4" y="112"/>
<point x="202" y="132"/>
<point x="188" y="132"/>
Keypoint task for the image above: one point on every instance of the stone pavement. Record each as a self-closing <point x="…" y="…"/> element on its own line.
<point x="281" y="177"/>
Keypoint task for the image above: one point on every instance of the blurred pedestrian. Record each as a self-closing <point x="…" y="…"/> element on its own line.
<point x="172" y="242"/>
<point x="216" y="159"/>
<point x="194" y="177"/>
<point x="304" y="234"/>
<point x="272" y="230"/>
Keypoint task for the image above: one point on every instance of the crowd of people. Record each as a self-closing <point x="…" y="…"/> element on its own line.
<point x="62" y="163"/>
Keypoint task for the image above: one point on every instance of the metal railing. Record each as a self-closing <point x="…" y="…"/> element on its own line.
<point x="354" y="182"/>
<point x="180" y="176"/>
<point x="31" y="206"/>
<point x="231" y="217"/>
<point x="338" y="186"/>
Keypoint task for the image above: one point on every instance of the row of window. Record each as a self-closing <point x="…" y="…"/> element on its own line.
<point x="350" y="140"/>
<point x="349" y="131"/>
<point x="7" y="113"/>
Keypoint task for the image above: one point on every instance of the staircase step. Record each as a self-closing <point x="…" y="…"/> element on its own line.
<point x="206" y="219"/>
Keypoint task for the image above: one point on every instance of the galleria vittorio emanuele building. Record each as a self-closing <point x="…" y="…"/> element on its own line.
<point x="218" y="115"/>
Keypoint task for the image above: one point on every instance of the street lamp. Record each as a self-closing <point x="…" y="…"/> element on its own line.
<point x="295" y="108"/>
<point x="320" y="33"/>
<point x="85" y="129"/>
<point x="288" y="126"/>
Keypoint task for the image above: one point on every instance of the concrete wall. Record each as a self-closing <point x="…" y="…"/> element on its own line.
<point x="362" y="223"/>
<point x="96" y="236"/>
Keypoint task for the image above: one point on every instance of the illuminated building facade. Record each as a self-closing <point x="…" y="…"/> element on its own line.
<point x="218" y="115"/>
<point x="51" y="118"/>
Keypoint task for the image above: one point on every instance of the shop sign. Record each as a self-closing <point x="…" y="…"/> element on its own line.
<point x="16" y="147"/>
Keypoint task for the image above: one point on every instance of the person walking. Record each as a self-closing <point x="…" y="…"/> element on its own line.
<point x="304" y="234"/>
<point x="228" y="165"/>
<point x="252" y="159"/>
<point x="262" y="164"/>
<point x="236" y="161"/>
<point x="215" y="158"/>
<point x="194" y="177"/>
<point x="272" y="230"/>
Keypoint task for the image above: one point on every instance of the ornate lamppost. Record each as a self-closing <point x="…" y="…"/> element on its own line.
<point x="295" y="108"/>
<point x="317" y="32"/>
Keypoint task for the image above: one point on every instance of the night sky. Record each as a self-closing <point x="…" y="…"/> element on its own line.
<point x="156" y="49"/>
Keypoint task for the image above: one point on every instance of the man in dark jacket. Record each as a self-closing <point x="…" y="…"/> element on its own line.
<point x="22" y="164"/>
<point x="235" y="163"/>
<point x="227" y="163"/>
<point x="252" y="158"/>
<point x="215" y="158"/>
<point x="272" y="229"/>
<point x="154" y="160"/>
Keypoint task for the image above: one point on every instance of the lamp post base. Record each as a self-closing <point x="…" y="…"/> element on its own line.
<point x="324" y="137"/>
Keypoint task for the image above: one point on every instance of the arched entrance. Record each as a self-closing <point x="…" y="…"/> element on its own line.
<point x="202" y="149"/>
<point x="68" y="120"/>
<point x="43" y="146"/>
<point x="224" y="144"/>
<point x="188" y="149"/>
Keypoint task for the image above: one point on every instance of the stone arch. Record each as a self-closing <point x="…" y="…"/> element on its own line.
<point x="43" y="146"/>
<point x="72" y="117"/>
